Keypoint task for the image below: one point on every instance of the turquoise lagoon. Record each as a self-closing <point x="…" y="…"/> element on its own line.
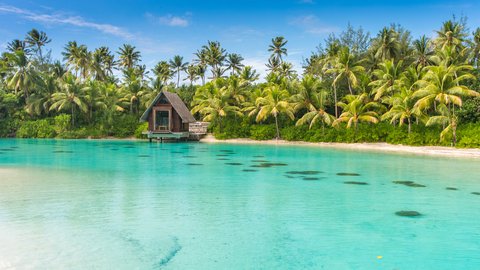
<point x="135" y="205"/>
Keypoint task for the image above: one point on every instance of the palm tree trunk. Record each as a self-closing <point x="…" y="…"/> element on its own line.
<point x="409" y="126"/>
<point x="335" y="95"/>
<point x="178" y="78"/>
<point x="349" y="87"/>
<point x="276" y="125"/>
<point x="73" y="118"/>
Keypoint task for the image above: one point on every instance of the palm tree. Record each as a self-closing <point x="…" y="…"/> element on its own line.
<point x="234" y="63"/>
<point x="357" y="109"/>
<point x="202" y="62"/>
<point x="215" y="56"/>
<point x="476" y="48"/>
<point x="387" y="78"/>
<point x="22" y="73"/>
<point x="273" y="64"/>
<point x="192" y="73"/>
<point x="443" y="86"/>
<point x="36" y="40"/>
<point x="277" y="48"/>
<point x="129" y="57"/>
<point x="103" y="62"/>
<point x="423" y="51"/>
<point x="213" y="102"/>
<point x="16" y="45"/>
<point x="274" y="102"/>
<point x="308" y="90"/>
<point x="163" y="72"/>
<point x="446" y="116"/>
<point x="249" y="74"/>
<point x="402" y="108"/>
<point x="346" y="67"/>
<point x="286" y="70"/>
<point x="317" y="112"/>
<point x="177" y="65"/>
<point x="77" y="57"/>
<point x="452" y="34"/>
<point x="386" y="45"/>
<point x="70" y="98"/>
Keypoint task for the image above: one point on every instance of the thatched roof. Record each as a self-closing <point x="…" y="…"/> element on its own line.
<point x="177" y="105"/>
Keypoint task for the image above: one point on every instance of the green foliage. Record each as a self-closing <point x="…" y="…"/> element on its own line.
<point x="469" y="136"/>
<point x="36" y="129"/>
<point x="62" y="123"/>
<point x="470" y="111"/>
<point x="124" y="126"/>
<point x="262" y="132"/>
<point x="141" y="128"/>
<point x="8" y="126"/>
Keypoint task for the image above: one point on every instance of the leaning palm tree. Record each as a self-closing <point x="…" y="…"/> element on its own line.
<point x="70" y="98"/>
<point x="17" y="45"/>
<point x="215" y="56"/>
<point x="234" y="63"/>
<point x="36" y="40"/>
<point x="192" y="73"/>
<point x="357" y="109"/>
<point x="129" y="57"/>
<point x="308" y="89"/>
<point x="274" y="102"/>
<point x="177" y="65"/>
<point x="277" y="48"/>
<point x="452" y="34"/>
<point x="446" y="117"/>
<point x="387" y="79"/>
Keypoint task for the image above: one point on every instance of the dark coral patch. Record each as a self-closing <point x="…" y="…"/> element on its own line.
<point x="249" y="170"/>
<point x="144" y="156"/>
<point x="348" y="174"/>
<point x="62" y="151"/>
<point x="355" y="183"/>
<point x="408" y="183"/>
<point x="260" y="160"/>
<point x="476" y="193"/>
<point x="223" y="159"/>
<point x="311" y="178"/>
<point x="234" y="163"/>
<point x="194" y="164"/>
<point x="304" y="172"/>
<point x="7" y="149"/>
<point x="408" y="213"/>
<point x="451" y="188"/>
<point x="268" y="165"/>
<point x="259" y="156"/>
<point x="189" y="156"/>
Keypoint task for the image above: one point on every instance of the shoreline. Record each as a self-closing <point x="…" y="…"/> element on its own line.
<point x="438" y="151"/>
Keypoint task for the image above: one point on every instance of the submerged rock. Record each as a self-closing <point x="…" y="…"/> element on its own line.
<point x="249" y="170"/>
<point x="234" y="163"/>
<point x="348" y="174"/>
<point x="194" y="164"/>
<point x="189" y="156"/>
<point x="451" y="188"/>
<point x="311" y="178"/>
<point x="223" y="159"/>
<point x="259" y="156"/>
<point x="476" y="193"/>
<point x="408" y="213"/>
<point x="260" y="160"/>
<point x="355" y="183"/>
<point x="408" y="183"/>
<point x="268" y="165"/>
<point x="144" y="156"/>
<point x="304" y="172"/>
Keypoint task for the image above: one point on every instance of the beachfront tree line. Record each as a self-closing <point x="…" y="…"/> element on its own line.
<point x="351" y="81"/>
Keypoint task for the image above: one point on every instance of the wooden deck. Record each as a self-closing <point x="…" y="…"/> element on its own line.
<point x="196" y="131"/>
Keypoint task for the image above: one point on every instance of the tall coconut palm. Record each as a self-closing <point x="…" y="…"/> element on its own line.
<point x="286" y="70"/>
<point x="402" y="108"/>
<point x="423" y="51"/>
<point x="348" y="68"/>
<point x="234" y="63"/>
<point x="274" y="102"/>
<point x="163" y="72"/>
<point x="192" y="73"/>
<point x="129" y="56"/>
<point x="476" y="48"/>
<point x="215" y="56"/>
<point x="387" y="78"/>
<point x="249" y="74"/>
<point x="17" y="45"/>
<point x="273" y="64"/>
<point x="308" y="89"/>
<point x="446" y="117"/>
<point x="452" y="34"/>
<point x="22" y="73"/>
<point x="202" y="61"/>
<point x="70" y="98"/>
<point x="277" y="48"/>
<point x="177" y="65"/>
<point x="36" y="40"/>
<point x="386" y="45"/>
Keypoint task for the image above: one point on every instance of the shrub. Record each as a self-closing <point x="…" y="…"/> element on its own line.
<point x="262" y="132"/>
<point x="124" y="126"/>
<point x="36" y="129"/>
<point x="62" y="123"/>
<point x="141" y="128"/>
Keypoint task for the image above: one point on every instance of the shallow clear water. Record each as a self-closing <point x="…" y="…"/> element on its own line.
<point x="135" y="205"/>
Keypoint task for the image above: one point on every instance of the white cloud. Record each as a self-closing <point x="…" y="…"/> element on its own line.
<point x="169" y="20"/>
<point x="311" y="24"/>
<point x="69" y="20"/>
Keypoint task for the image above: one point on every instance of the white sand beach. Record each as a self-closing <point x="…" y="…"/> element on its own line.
<point x="375" y="147"/>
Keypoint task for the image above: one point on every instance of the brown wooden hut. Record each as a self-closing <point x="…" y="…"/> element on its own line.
<point x="167" y="117"/>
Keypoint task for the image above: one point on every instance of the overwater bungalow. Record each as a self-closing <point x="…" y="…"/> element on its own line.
<point x="168" y="118"/>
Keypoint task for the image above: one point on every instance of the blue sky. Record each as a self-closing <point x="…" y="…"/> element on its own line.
<point x="161" y="29"/>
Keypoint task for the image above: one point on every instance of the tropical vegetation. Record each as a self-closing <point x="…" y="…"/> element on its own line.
<point x="387" y="87"/>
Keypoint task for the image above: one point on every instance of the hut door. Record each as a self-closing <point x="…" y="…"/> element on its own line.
<point x="162" y="120"/>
